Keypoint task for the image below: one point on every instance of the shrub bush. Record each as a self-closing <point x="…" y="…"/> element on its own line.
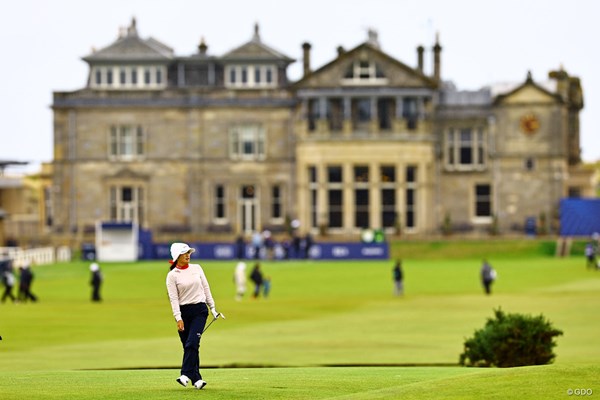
<point x="511" y="340"/>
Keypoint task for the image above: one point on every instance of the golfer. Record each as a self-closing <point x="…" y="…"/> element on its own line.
<point x="190" y="299"/>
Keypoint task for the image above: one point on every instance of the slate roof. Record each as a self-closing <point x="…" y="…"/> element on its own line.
<point x="131" y="47"/>
<point x="255" y="50"/>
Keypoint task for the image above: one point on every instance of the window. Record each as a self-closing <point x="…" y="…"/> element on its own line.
<point x="411" y="194"/>
<point x="250" y="76"/>
<point x="364" y="71"/>
<point x="109" y="76"/>
<point x="334" y="174"/>
<point x="219" y="202"/>
<point x="134" y="76"/>
<point x="361" y="174"/>
<point x="122" y="76"/>
<point x="276" y="203"/>
<point x="388" y="195"/>
<point x="158" y="76"/>
<point x="335" y="196"/>
<point x="147" y="76"/>
<point x="465" y="148"/>
<point x="483" y="201"/>
<point x="410" y="112"/>
<point x="98" y="77"/>
<point x="529" y="164"/>
<point x="126" y="203"/>
<point x="361" y="196"/>
<point x="269" y="77"/>
<point x="127" y="142"/>
<point x="361" y="208"/>
<point x="256" y="74"/>
<point x="247" y="143"/>
<point x="335" y="204"/>
<point x="313" y="187"/>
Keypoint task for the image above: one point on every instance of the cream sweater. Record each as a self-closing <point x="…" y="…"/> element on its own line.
<point x="188" y="286"/>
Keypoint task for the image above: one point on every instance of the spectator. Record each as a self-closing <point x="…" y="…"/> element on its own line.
<point x="590" y="255"/>
<point x="488" y="276"/>
<point x="96" y="281"/>
<point x="8" y="279"/>
<point x="257" y="244"/>
<point x="25" y="282"/>
<point x="239" y="277"/>
<point x="398" y="278"/>
<point x="256" y="277"/>
<point x="240" y="247"/>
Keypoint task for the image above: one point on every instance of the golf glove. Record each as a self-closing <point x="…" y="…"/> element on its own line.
<point x="214" y="312"/>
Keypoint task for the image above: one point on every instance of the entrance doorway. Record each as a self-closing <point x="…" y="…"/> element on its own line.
<point x="248" y="206"/>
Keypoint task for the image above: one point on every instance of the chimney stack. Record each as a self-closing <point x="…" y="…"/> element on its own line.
<point x="340" y="50"/>
<point x="202" y="47"/>
<point x="437" y="51"/>
<point x="420" y="51"/>
<point x="306" y="51"/>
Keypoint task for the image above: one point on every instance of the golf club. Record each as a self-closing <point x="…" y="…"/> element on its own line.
<point x="213" y="320"/>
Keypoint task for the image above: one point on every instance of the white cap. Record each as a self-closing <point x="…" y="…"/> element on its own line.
<point x="178" y="249"/>
<point x="94" y="267"/>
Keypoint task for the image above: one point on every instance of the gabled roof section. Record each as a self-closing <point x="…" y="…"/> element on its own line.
<point x="256" y="50"/>
<point x="397" y="73"/>
<point x="528" y="92"/>
<point x="130" y="47"/>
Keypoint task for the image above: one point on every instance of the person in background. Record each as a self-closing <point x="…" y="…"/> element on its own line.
<point x="191" y="299"/>
<point x="8" y="279"/>
<point x="240" y="247"/>
<point x="239" y="277"/>
<point x="590" y="255"/>
<point x="398" y="276"/>
<point x="308" y="242"/>
<point x="96" y="281"/>
<point x="488" y="276"/>
<point x="266" y="286"/>
<point x="257" y="277"/>
<point x="25" y="281"/>
<point x="257" y="244"/>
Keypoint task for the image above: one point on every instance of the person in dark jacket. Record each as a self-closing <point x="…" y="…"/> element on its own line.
<point x="26" y="279"/>
<point x="256" y="276"/>
<point x="96" y="281"/>
<point x="488" y="275"/>
<point x="8" y="279"/>
<point x="398" y="278"/>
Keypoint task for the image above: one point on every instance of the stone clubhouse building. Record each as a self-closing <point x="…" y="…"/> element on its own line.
<point x="207" y="147"/>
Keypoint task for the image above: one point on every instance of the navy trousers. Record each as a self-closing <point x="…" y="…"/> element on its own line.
<point x="194" y="319"/>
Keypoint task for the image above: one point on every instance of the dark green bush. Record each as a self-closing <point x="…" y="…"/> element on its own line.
<point x="511" y="340"/>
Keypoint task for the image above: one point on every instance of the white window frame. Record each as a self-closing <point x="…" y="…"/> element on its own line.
<point x="127" y="211"/>
<point x="482" y="219"/>
<point x="251" y="70"/>
<point x="452" y="149"/>
<point x="220" y="201"/>
<point x="154" y="71"/>
<point x="242" y="134"/>
<point x="370" y="71"/>
<point x="122" y="147"/>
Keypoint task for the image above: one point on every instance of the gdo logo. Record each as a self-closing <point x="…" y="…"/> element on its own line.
<point x="580" y="392"/>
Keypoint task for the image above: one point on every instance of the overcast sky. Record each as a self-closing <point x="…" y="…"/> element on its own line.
<point x="484" y="42"/>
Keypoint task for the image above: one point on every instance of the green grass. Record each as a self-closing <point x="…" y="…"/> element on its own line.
<point x="319" y="314"/>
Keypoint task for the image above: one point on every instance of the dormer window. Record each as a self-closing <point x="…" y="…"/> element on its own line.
<point x="125" y="77"/>
<point x="250" y="76"/>
<point x="362" y="72"/>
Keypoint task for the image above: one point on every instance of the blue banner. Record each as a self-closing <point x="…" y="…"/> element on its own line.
<point x="318" y="251"/>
